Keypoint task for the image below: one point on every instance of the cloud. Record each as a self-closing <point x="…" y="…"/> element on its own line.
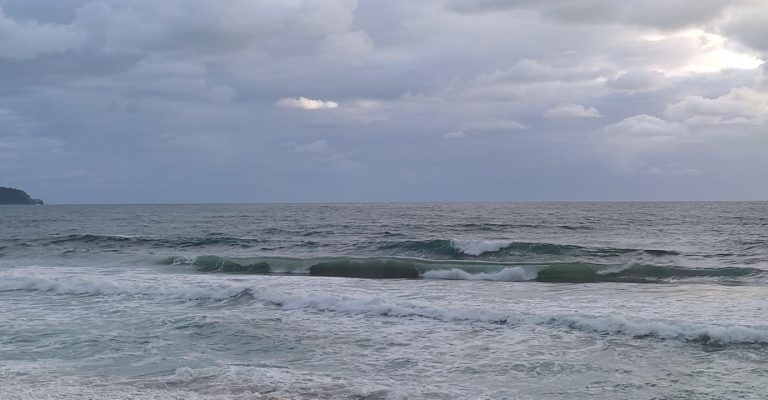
<point x="149" y="84"/>
<point x="645" y="127"/>
<point x="455" y="135"/>
<point x="569" y="110"/>
<point x="529" y="71"/>
<point x="749" y="26"/>
<point x="638" y="80"/>
<point x="348" y="46"/>
<point x="739" y="106"/>
<point x="673" y="14"/>
<point x="485" y="126"/>
<point x="205" y="27"/>
<point x="316" y="147"/>
<point x="495" y="125"/>
<point x="28" y="40"/>
<point x="634" y="143"/>
<point x="306" y="103"/>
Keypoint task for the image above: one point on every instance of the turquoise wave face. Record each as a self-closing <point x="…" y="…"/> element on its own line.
<point x="414" y="268"/>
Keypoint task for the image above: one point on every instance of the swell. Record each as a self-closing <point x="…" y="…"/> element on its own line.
<point x="438" y="248"/>
<point x="126" y="241"/>
<point x="605" y="325"/>
<point x="415" y="268"/>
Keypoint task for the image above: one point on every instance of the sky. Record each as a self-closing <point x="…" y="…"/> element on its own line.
<point x="186" y="101"/>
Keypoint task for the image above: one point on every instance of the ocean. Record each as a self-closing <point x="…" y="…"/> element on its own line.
<point x="385" y="301"/>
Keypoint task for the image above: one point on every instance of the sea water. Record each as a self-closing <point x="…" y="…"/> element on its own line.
<point x="385" y="301"/>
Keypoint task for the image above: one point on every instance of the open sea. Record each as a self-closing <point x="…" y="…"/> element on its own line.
<point x="385" y="301"/>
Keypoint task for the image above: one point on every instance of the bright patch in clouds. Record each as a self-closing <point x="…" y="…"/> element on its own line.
<point x="305" y="103"/>
<point x="715" y="53"/>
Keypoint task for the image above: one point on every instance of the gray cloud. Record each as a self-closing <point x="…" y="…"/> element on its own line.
<point x="27" y="40"/>
<point x="570" y="110"/>
<point x="240" y="100"/>
<point x="749" y="26"/>
<point x="670" y="14"/>
<point x="317" y="147"/>
<point x="738" y="106"/>
<point x="306" y="103"/>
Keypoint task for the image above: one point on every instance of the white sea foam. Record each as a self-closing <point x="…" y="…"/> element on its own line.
<point x="214" y="383"/>
<point x="606" y="325"/>
<point x="278" y="382"/>
<point x="622" y="325"/>
<point x="91" y="285"/>
<point x="509" y="274"/>
<point x="664" y="329"/>
<point x="477" y="247"/>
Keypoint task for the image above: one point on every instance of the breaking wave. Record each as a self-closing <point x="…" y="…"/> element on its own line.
<point x="609" y="325"/>
<point x="93" y="286"/>
<point x="442" y="249"/>
<point x="498" y="248"/>
<point x="415" y="268"/>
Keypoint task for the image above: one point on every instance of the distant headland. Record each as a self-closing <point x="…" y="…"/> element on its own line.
<point x="16" y="196"/>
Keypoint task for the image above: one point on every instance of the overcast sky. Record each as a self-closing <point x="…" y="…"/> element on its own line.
<point x="114" y="101"/>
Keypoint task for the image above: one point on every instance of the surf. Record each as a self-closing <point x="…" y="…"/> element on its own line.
<point x="417" y="268"/>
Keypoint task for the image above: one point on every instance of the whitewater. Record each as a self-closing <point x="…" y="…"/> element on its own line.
<point x="384" y="301"/>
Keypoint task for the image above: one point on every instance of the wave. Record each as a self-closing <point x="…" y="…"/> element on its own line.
<point x="662" y="329"/>
<point x="512" y="274"/>
<point x="415" y="268"/>
<point x="126" y="240"/>
<point x="71" y="285"/>
<point x="385" y="246"/>
<point x="610" y="325"/>
<point x="457" y="248"/>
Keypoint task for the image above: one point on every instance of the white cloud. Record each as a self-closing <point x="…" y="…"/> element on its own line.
<point x="306" y="103"/>
<point x="635" y="142"/>
<point x="638" y="80"/>
<point x="570" y="110"/>
<point x="528" y="71"/>
<point x="485" y="126"/>
<point x="739" y="106"/>
<point x="643" y="126"/>
<point x="455" y="135"/>
<point x="316" y="147"/>
<point x="495" y="125"/>
<point x="27" y="40"/>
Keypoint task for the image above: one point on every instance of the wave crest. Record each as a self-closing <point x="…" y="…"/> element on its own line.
<point x="511" y="274"/>
<point x="481" y="270"/>
<point x="482" y="248"/>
